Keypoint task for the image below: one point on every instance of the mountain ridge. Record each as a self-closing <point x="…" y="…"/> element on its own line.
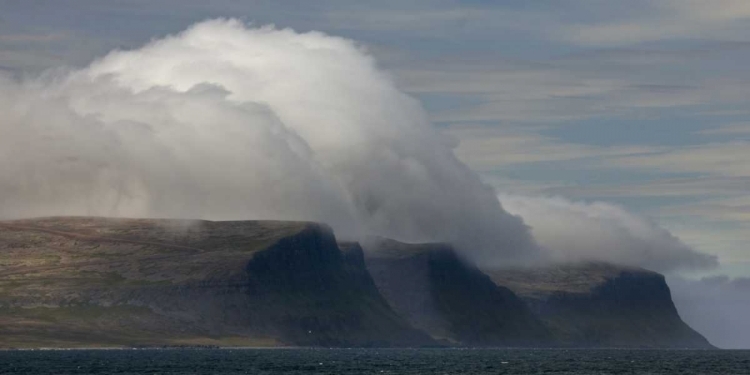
<point x="85" y="281"/>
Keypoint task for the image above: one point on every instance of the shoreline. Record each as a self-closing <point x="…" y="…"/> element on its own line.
<point x="352" y="348"/>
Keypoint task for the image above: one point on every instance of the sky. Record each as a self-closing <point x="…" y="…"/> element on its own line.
<point x="642" y="104"/>
<point x="635" y="109"/>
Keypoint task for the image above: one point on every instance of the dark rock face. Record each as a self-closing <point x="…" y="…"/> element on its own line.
<point x="480" y="312"/>
<point x="602" y="305"/>
<point x="451" y="300"/>
<point x="405" y="284"/>
<point x="70" y="282"/>
<point x="317" y="295"/>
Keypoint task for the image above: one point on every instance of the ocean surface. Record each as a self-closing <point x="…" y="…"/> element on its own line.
<point x="374" y="361"/>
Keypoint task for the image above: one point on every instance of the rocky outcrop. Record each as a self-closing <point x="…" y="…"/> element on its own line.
<point x="318" y="295"/>
<point x="450" y="299"/>
<point x="602" y="305"/>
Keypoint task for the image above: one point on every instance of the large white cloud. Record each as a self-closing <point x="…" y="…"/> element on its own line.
<point x="577" y="231"/>
<point x="226" y="122"/>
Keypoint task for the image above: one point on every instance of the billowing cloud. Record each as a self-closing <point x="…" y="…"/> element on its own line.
<point x="717" y="307"/>
<point x="226" y="122"/>
<point x="576" y="231"/>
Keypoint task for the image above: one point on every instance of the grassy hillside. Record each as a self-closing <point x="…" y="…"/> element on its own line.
<point x="72" y="282"/>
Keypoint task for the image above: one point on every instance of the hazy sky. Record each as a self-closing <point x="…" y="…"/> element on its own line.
<point x="638" y="103"/>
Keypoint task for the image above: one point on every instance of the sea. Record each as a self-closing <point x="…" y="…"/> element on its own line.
<point x="374" y="361"/>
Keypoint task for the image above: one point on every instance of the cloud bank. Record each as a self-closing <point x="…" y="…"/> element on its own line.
<point x="576" y="232"/>
<point x="228" y="122"/>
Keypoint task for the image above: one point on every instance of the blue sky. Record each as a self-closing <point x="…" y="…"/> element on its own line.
<point x="640" y="103"/>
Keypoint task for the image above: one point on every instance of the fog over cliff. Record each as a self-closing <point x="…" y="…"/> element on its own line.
<point x="223" y="121"/>
<point x="599" y="231"/>
<point x="718" y="307"/>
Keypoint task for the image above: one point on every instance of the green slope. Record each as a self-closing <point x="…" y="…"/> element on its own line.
<point x="73" y="282"/>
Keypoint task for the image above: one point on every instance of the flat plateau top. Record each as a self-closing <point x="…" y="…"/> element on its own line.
<point x="59" y="252"/>
<point x="567" y="278"/>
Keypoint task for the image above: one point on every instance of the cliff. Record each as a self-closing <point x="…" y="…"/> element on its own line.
<point x="96" y="282"/>
<point x="602" y="305"/>
<point x="453" y="301"/>
<point x="83" y="282"/>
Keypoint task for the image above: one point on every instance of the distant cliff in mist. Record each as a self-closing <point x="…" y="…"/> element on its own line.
<point x="97" y="282"/>
<point x="602" y="305"/>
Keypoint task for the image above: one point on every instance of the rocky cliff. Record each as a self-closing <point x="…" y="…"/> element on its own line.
<point x="602" y="305"/>
<point x="453" y="301"/>
<point x="68" y="282"/>
<point x="96" y="282"/>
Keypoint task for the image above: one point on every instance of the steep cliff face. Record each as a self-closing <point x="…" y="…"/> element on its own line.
<point x="103" y="282"/>
<point x="451" y="300"/>
<point x="602" y="305"/>
<point x="71" y="282"/>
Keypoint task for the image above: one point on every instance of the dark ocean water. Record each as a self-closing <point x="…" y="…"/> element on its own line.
<point x="374" y="361"/>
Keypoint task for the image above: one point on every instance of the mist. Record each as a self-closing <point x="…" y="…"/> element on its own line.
<point x="223" y="122"/>
<point x="718" y="307"/>
<point x="583" y="232"/>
